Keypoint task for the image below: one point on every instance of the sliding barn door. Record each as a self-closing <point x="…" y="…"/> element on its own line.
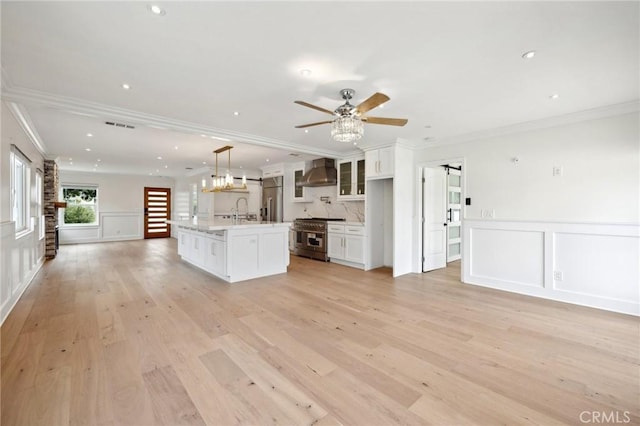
<point x="157" y="209"/>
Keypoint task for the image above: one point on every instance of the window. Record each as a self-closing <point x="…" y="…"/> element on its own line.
<point x="82" y="205"/>
<point x="40" y="202"/>
<point x="20" y="180"/>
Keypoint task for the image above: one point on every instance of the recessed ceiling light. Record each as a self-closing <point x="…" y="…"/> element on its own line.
<point x="95" y="165"/>
<point x="159" y="158"/>
<point x="166" y="166"/>
<point x="305" y="72"/>
<point x="528" y="55"/>
<point x="98" y="160"/>
<point x="87" y="149"/>
<point x="204" y="162"/>
<point x="71" y="163"/>
<point x="306" y="130"/>
<point x="89" y="135"/>
<point x="355" y="143"/>
<point x="70" y="159"/>
<point x="175" y="147"/>
<point x="236" y="113"/>
<point x="125" y="86"/>
<point x="156" y="10"/>
<point x="554" y="96"/>
<point x="267" y="160"/>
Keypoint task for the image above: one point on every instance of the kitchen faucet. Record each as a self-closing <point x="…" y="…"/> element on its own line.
<point x="246" y="203"/>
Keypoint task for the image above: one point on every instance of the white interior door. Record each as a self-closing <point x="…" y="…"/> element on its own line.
<point x="434" y="207"/>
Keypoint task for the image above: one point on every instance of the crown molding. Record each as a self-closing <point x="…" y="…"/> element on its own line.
<point x="94" y="109"/>
<point x="528" y="126"/>
<point x="23" y="119"/>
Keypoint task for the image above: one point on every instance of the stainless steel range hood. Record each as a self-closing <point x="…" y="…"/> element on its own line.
<point x="322" y="173"/>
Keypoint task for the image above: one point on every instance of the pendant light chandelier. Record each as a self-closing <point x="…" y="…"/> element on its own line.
<point x="221" y="183"/>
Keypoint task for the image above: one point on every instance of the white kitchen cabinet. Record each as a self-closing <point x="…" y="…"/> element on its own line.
<point x="235" y="252"/>
<point x="351" y="177"/>
<point x="197" y="249"/>
<point x="273" y="170"/>
<point x="346" y="243"/>
<point x="379" y="163"/>
<point x="215" y="258"/>
<point x="299" y="193"/>
<point x="335" y="246"/>
<point x="183" y="242"/>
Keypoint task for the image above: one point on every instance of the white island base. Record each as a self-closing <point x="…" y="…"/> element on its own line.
<point x="235" y="252"/>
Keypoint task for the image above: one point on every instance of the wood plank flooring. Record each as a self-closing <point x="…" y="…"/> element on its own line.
<point x="126" y="334"/>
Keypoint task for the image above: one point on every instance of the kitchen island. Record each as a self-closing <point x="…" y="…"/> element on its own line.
<point x="234" y="252"/>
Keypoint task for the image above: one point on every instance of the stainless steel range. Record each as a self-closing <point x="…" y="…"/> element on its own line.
<point x="311" y="237"/>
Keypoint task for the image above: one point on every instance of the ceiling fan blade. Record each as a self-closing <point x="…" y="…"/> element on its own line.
<point x="302" y="126"/>
<point x="383" y="120"/>
<point x="373" y="101"/>
<point x="308" y="105"/>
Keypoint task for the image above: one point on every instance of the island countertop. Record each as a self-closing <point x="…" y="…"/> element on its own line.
<point x="224" y="224"/>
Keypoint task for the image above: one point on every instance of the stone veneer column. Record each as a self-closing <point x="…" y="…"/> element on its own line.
<point x="50" y="211"/>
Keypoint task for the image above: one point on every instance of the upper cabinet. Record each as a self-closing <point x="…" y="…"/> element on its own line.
<point x="351" y="177"/>
<point x="299" y="193"/>
<point x="379" y="163"/>
<point x="273" y="170"/>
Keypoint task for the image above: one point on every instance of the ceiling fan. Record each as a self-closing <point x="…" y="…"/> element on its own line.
<point x="347" y="124"/>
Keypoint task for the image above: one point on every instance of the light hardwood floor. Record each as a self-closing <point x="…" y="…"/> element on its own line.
<point x="126" y="334"/>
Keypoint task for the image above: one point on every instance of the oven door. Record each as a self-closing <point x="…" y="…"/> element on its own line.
<point x="314" y="241"/>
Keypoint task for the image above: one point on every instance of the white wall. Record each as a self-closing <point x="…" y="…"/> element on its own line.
<point x="583" y="225"/>
<point x="120" y="206"/>
<point x="403" y="211"/>
<point x="20" y="259"/>
<point x="600" y="172"/>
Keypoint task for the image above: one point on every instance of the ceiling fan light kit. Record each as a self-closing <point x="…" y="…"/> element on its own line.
<point x="348" y="126"/>
<point x="347" y="129"/>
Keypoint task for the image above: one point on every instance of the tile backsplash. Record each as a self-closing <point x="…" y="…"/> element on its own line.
<point x="352" y="211"/>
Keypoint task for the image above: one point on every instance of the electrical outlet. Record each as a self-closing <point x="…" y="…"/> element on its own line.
<point x="557" y="171"/>
<point x="557" y="275"/>
<point x="487" y="214"/>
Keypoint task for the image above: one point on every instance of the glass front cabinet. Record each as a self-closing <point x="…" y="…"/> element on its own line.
<point x="351" y="178"/>
<point x="299" y="192"/>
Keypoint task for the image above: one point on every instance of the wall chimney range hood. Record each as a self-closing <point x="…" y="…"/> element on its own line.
<point x="322" y="173"/>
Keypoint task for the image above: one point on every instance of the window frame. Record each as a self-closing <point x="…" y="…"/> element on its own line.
<point x="40" y="203"/>
<point x="61" y="212"/>
<point x="20" y="213"/>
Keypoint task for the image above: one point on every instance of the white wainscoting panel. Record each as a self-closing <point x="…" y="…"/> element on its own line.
<point x="597" y="265"/>
<point x="113" y="226"/>
<point x="593" y="265"/>
<point x="121" y="226"/>
<point x="494" y="259"/>
<point x="20" y="260"/>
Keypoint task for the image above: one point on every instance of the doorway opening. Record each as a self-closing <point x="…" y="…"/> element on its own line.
<point x="442" y="214"/>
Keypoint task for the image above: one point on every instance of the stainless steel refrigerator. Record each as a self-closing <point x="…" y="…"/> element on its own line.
<point x="272" y="199"/>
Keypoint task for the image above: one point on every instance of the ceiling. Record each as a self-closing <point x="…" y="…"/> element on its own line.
<point x="450" y="68"/>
